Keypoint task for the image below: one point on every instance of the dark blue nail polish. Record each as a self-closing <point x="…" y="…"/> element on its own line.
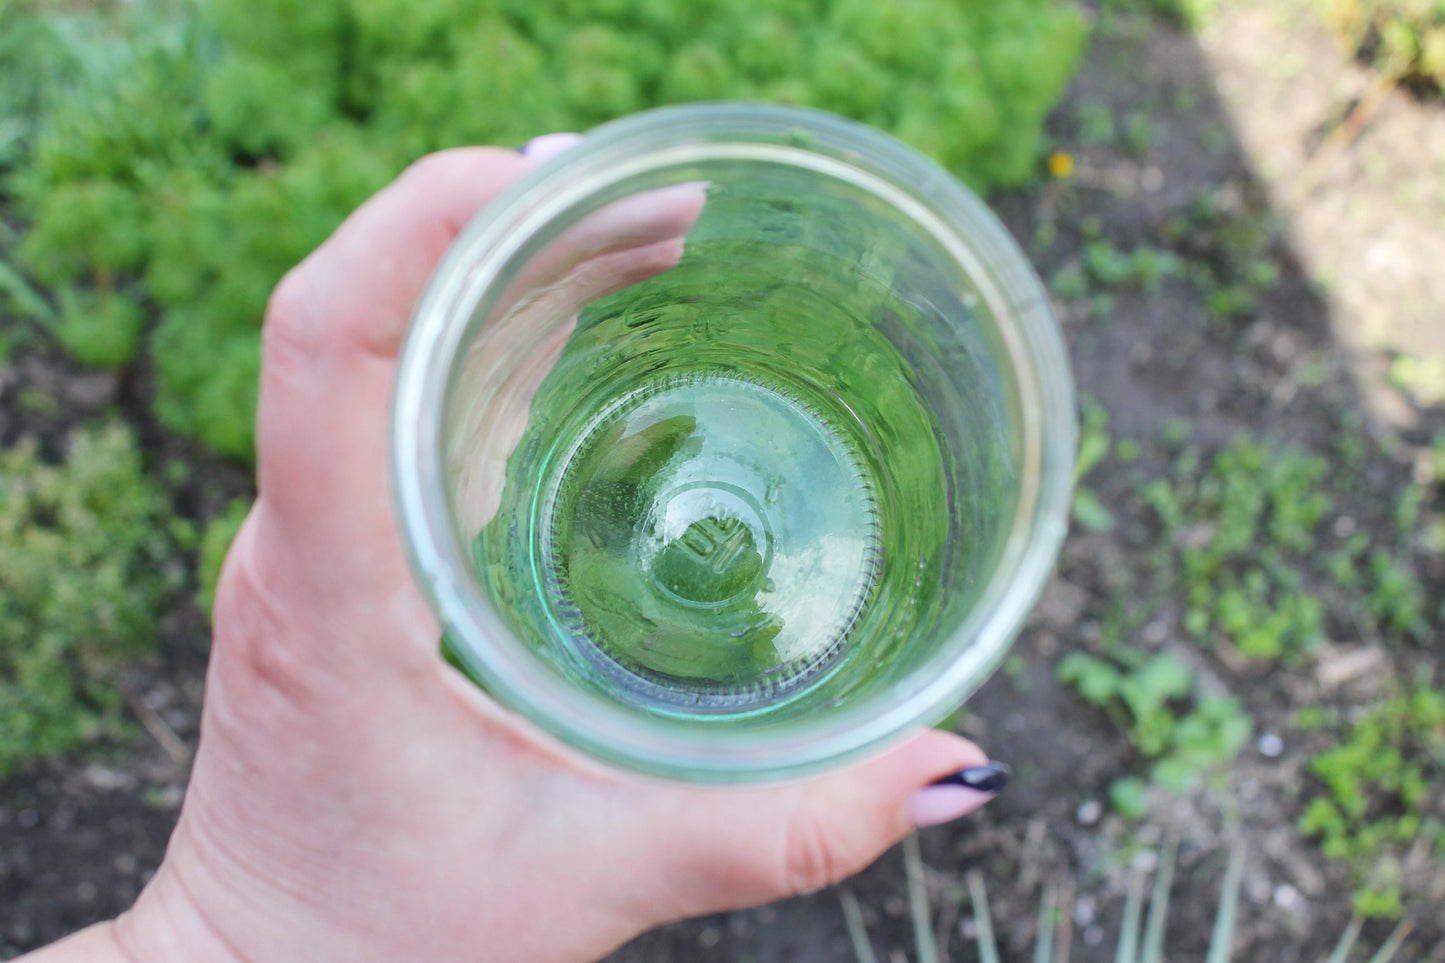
<point x="991" y="777"/>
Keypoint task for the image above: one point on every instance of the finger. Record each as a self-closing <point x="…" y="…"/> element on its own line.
<point x="736" y="849"/>
<point x="335" y="321"/>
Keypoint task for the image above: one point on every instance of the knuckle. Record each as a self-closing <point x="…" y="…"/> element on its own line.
<point x="256" y="636"/>
<point x="426" y="168"/>
<point x="291" y="330"/>
<point x="444" y="165"/>
<point x="814" y="854"/>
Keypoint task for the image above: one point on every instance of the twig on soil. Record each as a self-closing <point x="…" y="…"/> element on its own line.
<point x="1347" y="940"/>
<point x="1044" y="937"/>
<point x="982" y="918"/>
<point x="162" y="733"/>
<point x="1222" y="939"/>
<point x="1341" y="137"/>
<point x="1152" y="949"/>
<point x="918" y="900"/>
<point x="950" y="906"/>
<point x="1392" y="944"/>
<point x="1065" y="939"/>
<point x="1128" y="951"/>
<point x="857" y="931"/>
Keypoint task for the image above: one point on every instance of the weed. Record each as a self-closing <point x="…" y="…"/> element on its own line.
<point x="1094" y="122"/>
<point x="1421" y="378"/>
<point x="1377" y="782"/>
<point x="1395" y="598"/>
<point x="1405" y="39"/>
<point x="1139" y="132"/>
<point x="1184" y="734"/>
<point x="1227" y="244"/>
<point x="1088" y="511"/>
<point x="1103" y="266"/>
<point x="1242" y="532"/>
<point x="88" y="557"/>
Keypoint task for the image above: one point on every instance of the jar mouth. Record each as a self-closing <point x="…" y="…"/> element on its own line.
<point x="487" y="254"/>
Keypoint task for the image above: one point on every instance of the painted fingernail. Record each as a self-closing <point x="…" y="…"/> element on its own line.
<point x="956" y="794"/>
<point x="990" y="777"/>
<point x="548" y="145"/>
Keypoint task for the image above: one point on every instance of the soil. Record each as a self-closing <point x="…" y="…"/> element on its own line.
<point x="1241" y="112"/>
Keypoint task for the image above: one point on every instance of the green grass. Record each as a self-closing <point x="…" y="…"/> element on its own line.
<point x="90" y="553"/>
<point x="180" y="157"/>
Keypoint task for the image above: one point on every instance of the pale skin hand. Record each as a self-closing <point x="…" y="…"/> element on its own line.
<point x="353" y="798"/>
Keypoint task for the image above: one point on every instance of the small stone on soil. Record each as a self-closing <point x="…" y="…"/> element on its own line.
<point x="1287" y="898"/>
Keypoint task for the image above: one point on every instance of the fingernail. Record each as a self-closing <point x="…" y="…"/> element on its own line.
<point x="990" y="777"/>
<point x="956" y="794"/>
<point x="548" y="145"/>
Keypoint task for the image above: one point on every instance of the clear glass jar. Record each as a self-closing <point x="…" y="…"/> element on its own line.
<point x="733" y="442"/>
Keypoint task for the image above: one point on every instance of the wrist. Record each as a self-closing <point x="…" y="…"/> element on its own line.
<point x="167" y="926"/>
<point x="164" y="926"/>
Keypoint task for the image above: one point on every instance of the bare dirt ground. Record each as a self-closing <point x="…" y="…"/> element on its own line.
<point x="1240" y="113"/>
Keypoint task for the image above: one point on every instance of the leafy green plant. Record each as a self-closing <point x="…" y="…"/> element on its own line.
<point x="1245" y="528"/>
<point x="1094" y="443"/>
<point x="88" y="557"/>
<point x="1405" y="39"/>
<point x="1378" y="780"/>
<point x="1103" y="269"/>
<point x="1228" y="254"/>
<point x="1184" y="734"/>
<point x="199" y="150"/>
<point x="1422" y="377"/>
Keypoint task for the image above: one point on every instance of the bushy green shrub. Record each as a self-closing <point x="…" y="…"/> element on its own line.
<point x="226" y="139"/>
<point x="1404" y="38"/>
<point x="88" y="556"/>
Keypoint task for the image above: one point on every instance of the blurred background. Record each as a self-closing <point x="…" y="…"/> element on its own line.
<point x="1230" y="695"/>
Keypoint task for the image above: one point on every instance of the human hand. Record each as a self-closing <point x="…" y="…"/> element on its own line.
<point x="355" y="799"/>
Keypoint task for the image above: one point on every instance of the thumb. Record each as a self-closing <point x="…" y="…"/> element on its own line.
<point x="742" y="848"/>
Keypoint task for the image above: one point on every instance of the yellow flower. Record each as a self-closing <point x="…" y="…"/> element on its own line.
<point x="1061" y="164"/>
